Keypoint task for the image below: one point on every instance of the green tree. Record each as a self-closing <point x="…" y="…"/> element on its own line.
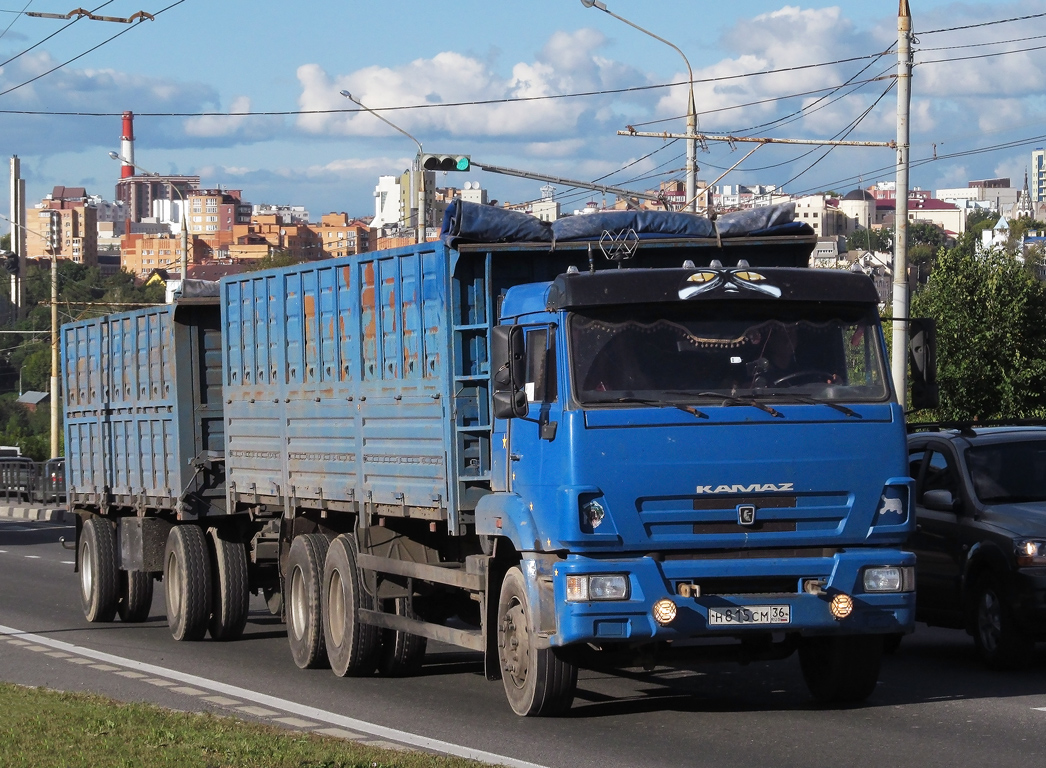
<point x="991" y="342"/>
<point x="880" y="240"/>
<point x="925" y="233"/>
<point x="980" y="219"/>
<point x="276" y="258"/>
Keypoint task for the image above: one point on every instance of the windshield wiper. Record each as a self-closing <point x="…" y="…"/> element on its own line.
<point x="655" y="403"/>
<point x="731" y="400"/>
<point x="814" y="401"/>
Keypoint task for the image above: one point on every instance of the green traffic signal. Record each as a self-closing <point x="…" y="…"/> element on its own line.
<point x="445" y="162"/>
<point x="463" y="163"/>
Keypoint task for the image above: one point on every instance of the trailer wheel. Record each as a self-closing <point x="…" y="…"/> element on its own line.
<point x="136" y="596"/>
<point x="230" y="600"/>
<point x="303" y="585"/>
<point x="352" y="647"/>
<point x="402" y="653"/>
<point x="537" y="681"/>
<point x="187" y="582"/>
<point x="841" y="670"/>
<point x="99" y="575"/>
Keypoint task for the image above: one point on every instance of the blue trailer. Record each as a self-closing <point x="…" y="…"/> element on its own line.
<point x="562" y="446"/>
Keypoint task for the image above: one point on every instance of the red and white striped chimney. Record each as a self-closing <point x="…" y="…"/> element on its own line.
<point x="127" y="146"/>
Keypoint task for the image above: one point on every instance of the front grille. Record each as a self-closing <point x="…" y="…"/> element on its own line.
<point x="731" y="502"/>
<point x="770" y="526"/>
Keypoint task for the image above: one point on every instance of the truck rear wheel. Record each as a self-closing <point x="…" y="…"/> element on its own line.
<point x="303" y="585"/>
<point x="187" y="582"/>
<point x="402" y="653"/>
<point x="99" y="575"/>
<point x="537" y="682"/>
<point x="841" y="670"/>
<point x="136" y="596"/>
<point x="352" y="647"/>
<point x="230" y="600"/>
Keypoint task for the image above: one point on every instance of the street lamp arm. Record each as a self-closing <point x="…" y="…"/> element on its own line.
<point x="387" y="122"/>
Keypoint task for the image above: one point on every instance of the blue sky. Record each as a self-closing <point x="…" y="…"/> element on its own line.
<point x="202" y="56"/>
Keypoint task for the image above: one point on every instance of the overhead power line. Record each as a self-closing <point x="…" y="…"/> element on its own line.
<point x="985" y="23"/>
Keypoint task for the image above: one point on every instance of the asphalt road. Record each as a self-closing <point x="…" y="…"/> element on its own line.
<point x="935" y="705"/>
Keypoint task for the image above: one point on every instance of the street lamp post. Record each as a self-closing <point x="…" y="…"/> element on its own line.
<point x="691" y="112"/>
<point x="184" y="262"/>
<point x="421" y="237"/>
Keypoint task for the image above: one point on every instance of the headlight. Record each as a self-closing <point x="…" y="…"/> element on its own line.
<point x="892" y="578"/>
<point x="582" y="588"/>
<point x="1030" y="551"/>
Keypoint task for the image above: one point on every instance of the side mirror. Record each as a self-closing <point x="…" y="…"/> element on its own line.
<point x="939" y="500"/>
<point x="922" y="360"/>
<point x="508" y="367"/>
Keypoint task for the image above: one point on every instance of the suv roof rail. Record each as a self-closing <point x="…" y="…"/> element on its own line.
<point x="970" y="426"/>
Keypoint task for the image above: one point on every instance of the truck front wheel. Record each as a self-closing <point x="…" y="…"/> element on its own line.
<point x="841" y="670"/>
<point x="537" y="681"/>
<point x="99" y="576"/>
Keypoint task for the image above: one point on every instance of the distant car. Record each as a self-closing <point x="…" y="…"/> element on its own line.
<point x="980" y="538"/>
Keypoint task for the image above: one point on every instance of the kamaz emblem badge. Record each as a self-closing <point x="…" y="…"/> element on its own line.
<point x="746" y="514"/>
<point x="729" y="280"/>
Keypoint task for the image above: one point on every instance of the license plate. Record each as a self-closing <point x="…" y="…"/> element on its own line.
<point x="752" y="614"/>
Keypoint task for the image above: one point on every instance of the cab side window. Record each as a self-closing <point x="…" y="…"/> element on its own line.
<point x="541" y="366"/>
<point x="940" y="475"/>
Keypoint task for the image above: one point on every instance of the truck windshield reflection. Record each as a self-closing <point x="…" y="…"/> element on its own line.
<point x="702" y="351"/>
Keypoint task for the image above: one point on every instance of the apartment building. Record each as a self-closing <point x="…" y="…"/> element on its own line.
<point x="63" y="224"/>
<point x="340" y="236"/>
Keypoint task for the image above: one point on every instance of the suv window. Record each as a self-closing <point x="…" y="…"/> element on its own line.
<point x="1008" y="473"/>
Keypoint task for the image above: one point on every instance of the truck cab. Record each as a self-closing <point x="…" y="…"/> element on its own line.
<point x="704" y="453"/>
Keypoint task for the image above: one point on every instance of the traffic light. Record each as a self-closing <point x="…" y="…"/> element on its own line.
<point x="10" y="262"/>
<point x="446" y="162"/>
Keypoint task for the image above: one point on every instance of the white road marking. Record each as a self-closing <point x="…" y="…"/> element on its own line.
<point x="68" y="562"/>
<point x="32" y="557"/>
<point x="292" y="707"/>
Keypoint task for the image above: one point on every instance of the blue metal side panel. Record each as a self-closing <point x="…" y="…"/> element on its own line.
<point x="121" y="407"/>
<point x="354" y="408"/>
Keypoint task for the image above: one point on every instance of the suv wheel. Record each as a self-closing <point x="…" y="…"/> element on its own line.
<point x="1000" y="642"/>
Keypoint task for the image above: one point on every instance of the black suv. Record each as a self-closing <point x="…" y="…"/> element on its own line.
<point x="980" y="538"/>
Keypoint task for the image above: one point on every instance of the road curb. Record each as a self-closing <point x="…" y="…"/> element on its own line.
<point x="38" y="514"/>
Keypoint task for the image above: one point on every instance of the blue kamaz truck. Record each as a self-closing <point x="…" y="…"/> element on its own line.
<point x="618" y="439"/>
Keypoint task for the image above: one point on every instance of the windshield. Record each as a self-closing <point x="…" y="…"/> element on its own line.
<point x="749" y="349"/>
<point x="1008" y="473"/>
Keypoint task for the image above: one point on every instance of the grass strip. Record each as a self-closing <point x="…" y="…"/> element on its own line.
<point x="41" y="728"/>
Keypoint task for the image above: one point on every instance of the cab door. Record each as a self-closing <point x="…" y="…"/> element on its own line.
<point x="534" y="466"/>
<point x="939" y="556"/>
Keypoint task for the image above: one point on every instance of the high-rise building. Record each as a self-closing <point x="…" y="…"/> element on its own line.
<point x="1038" y="175"/>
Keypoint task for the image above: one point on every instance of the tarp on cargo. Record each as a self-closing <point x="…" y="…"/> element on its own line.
<point x="646" y="224"/>
<point x="475" y="223"/>
<point x="199" y="289"/>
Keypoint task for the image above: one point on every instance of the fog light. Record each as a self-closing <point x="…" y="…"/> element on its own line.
<point x="841" y="606"/>
<point x="664" y="611"/>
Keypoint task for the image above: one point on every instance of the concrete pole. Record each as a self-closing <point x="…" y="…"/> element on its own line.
<point x="900" y="239"/>
<point x="15" y="221"/>
<point x="55" y="394"/>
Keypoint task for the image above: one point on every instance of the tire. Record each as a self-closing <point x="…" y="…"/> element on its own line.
<point x="99" y="574"/>
<point x="188" y="582"/>
<point x="1000" y="642"/>
<point x="230" y="599"/>
<point x="352" y="647"/>
<point x="892" y="642"/>
<point x="303" y="584"/>
<point x="402" y="653"/>
<point x="843" y="669"/>
<point x="537" y="681"/>
<point x="136" y="596"/>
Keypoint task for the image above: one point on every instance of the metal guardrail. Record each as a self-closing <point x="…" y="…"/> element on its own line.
<point x="23" y="481"/>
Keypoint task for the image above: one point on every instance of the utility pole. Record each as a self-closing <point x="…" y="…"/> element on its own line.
<point x="899" y="356"/>
<point x="55" y="395"/>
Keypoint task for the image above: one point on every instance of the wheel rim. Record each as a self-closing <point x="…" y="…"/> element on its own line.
<point x="297" y="611"/>
<point x="86" y="571"/>
<point x="336" y="608"/>
<point x="515" y="644"/>
<point x="989" y="620"/>
<point x="172" y="581"/>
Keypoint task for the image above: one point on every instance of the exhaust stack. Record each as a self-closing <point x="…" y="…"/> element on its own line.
<point x="127" y="146"/>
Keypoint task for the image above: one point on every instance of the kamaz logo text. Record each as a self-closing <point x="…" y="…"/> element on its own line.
<point x="753" y="488"/>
